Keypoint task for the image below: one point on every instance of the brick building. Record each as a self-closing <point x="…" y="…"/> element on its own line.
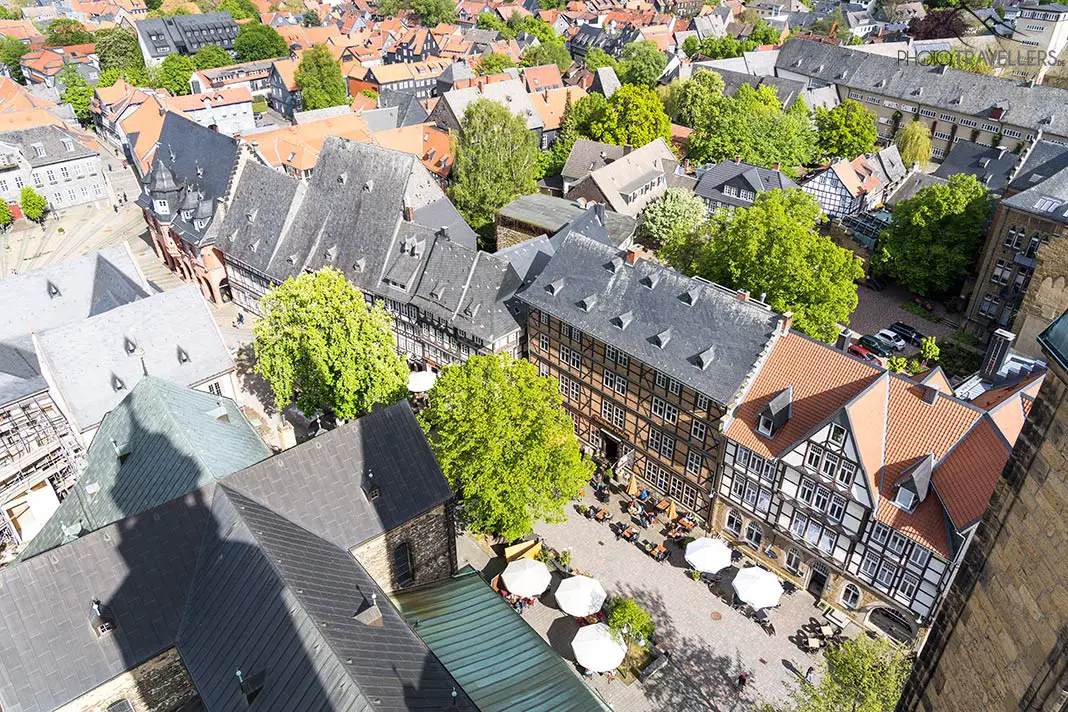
<point x="1024" y="265"/>
<point x="1001" y="639"/>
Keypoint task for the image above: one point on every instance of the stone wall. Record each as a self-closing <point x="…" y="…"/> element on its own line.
<point x="508" y="236"/>
<point x="431" y="541"/>
<point x="1000" y="641"/>
<point x="1046" y="297"/>
<point x="158" y="685"/>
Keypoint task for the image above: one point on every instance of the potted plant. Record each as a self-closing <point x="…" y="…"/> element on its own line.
<point x="694" y="574"/>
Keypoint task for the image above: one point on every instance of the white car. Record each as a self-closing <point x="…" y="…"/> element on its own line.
<point x="892" y="339"/>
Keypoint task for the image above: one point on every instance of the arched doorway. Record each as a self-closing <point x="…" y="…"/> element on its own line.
<point x="893" y="623"/>
<point x="817" y="581"/>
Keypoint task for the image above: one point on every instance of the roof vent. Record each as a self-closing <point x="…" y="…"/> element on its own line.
<point x="661" y="340"/>
<point x="100" y="619"/>
<point x="623" y="320"/>
<point x="650" y="280"/>
<point x="371" y="614"/>
<point x="690" y="296"/>
<point x="121" y="451"/>
<point x="219" y="412"/>
<point x="53" y="291"/>
<point x="471" y="311"/>
<point x="368" y="186"/>
<point x="292" y="259"/>
<point x="117" y="383"/>
<point x="371" y="490"/>
<point x="929" y="395"/>
<point x="130" y="346"/>
<point x="250" y="216"/>
<point x="251" y="686"/>
<point x="437" y="290"/>
<point x="588" y="302"/>
<point x="704" y="359"/>
<point x="343" y="178"/>
<point x="614" y="265"/>
<point x="252" y="246"/>
<point x="331" y="253"/>
<point x="554" y="287"/>
<point x="359" y="264"/>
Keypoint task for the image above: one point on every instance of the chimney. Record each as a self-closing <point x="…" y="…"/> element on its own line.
<point x="631" y="256"/>
<point x="776" y="165"/>
<point x="407" y="211"/>
<point x="598" y="210"/>
<point x="997" y="352"/>
<point x="845" y="339"/>
<point x="786" y="322"/>
<point x="743" y="295"/>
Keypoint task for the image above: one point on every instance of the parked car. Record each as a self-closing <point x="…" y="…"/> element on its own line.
<point x="890" y="337"/>
<point x="861" y="352"/>
<point x="910" y="334"/>
<point x="876" y="345"/>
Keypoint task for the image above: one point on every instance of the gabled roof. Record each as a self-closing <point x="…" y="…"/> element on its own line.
<point x="160" y="442"/>
<point x="587" y="156"/>
<point x="991" y="166"/>
<point x="713" y="178"/>
<point x="552" y="103"/>
<point x="553" y="214"/>
<point x="640" y="165"/>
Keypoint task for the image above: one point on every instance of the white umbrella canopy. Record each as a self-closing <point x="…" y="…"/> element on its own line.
<point x="597" y="648"/>
<point x="526" y="577"/>
<point x="758" y="587"/>
<point x="580" y="596"/>
<point x="421" y="381"/>
<point x="708" y="555"/>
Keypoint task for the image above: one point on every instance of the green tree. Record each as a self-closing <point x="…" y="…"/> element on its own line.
<point x="255" y="41"/>
<point x="764" y="34"/>
<point x="846" y="131"/>
<point x="725" y="47"/>
<point x="117" y="49"/>
<point x="240" y="9"/>
<point x="634" y="116"/>
<point x="33" y="204"/>
<point x="547" y="53"/>
<point x="690" y="102"/>
<point x="896" y="364"/>
<point x="677" y="213"/>
<point x="597" y="58"/>
<point x="494" y="63"/>
<point x="6" y="218"/>
<point x="77" y="93"/>
<point x="11" y="51"/>
<point x="641" y="63"/>
<point x="691" y="46"/>
<point x="494" y="162"/>
<point x="913" y="142"/>
<point x="533" y="26"/>
<point x="553" y="160"/>
<point x="929" y="351"/>
<point x="862" y="674"/>
<point x="310" y="18"/>
<point x="490" y="21"/>
<point x="433" y="12"/>
<point x="387" y="8"/>
<point x="108" y="78"/>
<point x="629" y="620"/>
<point x="505" y="444"/>
<point x="775" y="247"/>
<point x="320" y="346"/>
<point x="934" y="236"/>
<point x="64" y="31"/>
<point x="174" y="74"/>
<point x="211" y="56"/>
<point x="319" y="78"/>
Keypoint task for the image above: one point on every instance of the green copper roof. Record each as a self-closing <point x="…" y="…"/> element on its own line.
<point x="160" y="442"/>
<point x="499" y="660"/>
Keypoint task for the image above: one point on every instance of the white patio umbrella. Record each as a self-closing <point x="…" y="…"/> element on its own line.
<point x="597" y="648"/>
<point x="708" y="555"/>
<point x="421" y="381"/>
<point x="580" y="596"/>
<point x="526" y="577"/>
<point x="758" y="587"/>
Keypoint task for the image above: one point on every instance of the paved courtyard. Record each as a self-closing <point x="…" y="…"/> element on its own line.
<point x="878" y="310"/>
<point x="710" y="643"/>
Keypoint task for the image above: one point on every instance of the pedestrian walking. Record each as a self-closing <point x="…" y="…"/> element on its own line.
<point x="810" y="676"/>
<point x="124" y="198"/>
<point x="743" y="680"/>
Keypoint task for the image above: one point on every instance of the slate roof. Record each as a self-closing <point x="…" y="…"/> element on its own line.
<point x="1042" y="182"/>
<point x="606" y="82"/>
<point x="991" y="166"/>
<point x="631" y="171"/>
<point x="587" y="156"/>
<point x="54" y="296"/>
<point x="1036" y="108"/>
<point x="509" y="94"/>
<point x="50" y="139"/>
<point x="713" y="179"/>
<point x="913" y="184"/>
<point x="552" y="214"/>
<point x="93" y="365"/>
<point x="409" y="111"/>
<point x="349" y="215"/>
<point x="172" y="439"/>
<point x="714" y="339"/>
<point x="788" y="90"/>
<point x="233" y="584"/>
<point x="185" y="34"/>
<point x="479" y="638"/>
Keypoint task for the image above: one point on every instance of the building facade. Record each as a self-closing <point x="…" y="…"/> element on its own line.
<point x="53" y="161"/>
<point x="1001" y="639"/>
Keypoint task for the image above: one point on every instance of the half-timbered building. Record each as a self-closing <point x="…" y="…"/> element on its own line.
<point x="862" y="486"/>
<point x="648" y="360"/>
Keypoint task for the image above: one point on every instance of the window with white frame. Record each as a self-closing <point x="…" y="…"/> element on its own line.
<point x="703" y="403"/>
<point x="738" y="488"/>
<point x="797" y="526"/>
<point x="753" y="534"/>
<point x="750" y="493"/>
<point x="830" y="465"/>
<point x="661" y="380"/>
<point x="543" y="342"/>
<point x="657" y="475"/>
<point x="689" y="497"/>
<point x="815" y="454"/>
<point x="838" y="434"/>
<point x="880" y="533"/>
<point x="665" y="411"/>
<point x="813" y="532"/>
<point x="613" y="354"/>
<point x="661" y="443"/>
<point x="694" y="463"/>
<point x="805" y="490"/>
<point x="569" y="388"/>
<point x="886" y="573"/>
<point x="793" y="561"/>
<point x="820" y="498"/>
<point x="919" y="555"/>
<point x="765" y="425"/>
<point x="613" y="414"/>
<point x="896" y="544"/>
<point x="850" y="595"/>
<point x="698" y="430"/>
<point x="675" y="387"/>
<point x="570" y="357"/>
<point x="763" y="503"/>
<point x="827" y="540"/>
<point x="869" y="565"/>
<point x="846" y="471"/>
<point x="837" y="507"/>
<point x="615" y="382"/>
<point x="543" y="369"/>
<point x="909" y="584"/>
<point x="734" y="522"/>
<point x="544" y="317"/>
<point x="676" y="487"/>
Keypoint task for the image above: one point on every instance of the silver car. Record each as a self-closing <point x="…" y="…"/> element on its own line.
<point x="892" y="339"/>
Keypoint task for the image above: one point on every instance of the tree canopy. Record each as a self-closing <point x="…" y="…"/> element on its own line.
<point x="6" y="218"/>
<point x="63" y="31"/>
<point x="255" y="41"/>
<point x="174" y="74"/>
<point x="724" y="47"/>
<point x="118" y="49"/>
<point x="634" y="116"/>
<point x="629" y="620"/>
<point x="76" y="92"/>
<point x="494" y="63"/>
<point x="690" y="102"/>
<point x="433" y="12"/>
<point x="913" y="141"/>
<point x="641" y="63"/>
<point x="547" y="53"/>
<point x="846" y="131"/>
<point x="319" y="78"/>
<point x="504" y="443"/>
<point x="33" y="204"/>
<point x="935" y="235"/>
<point x="319" y="345"/>
<point x="240" y="9"/>
<point x="11" y="51"/>
<point x="211" y="56"/>
<point x="597" y="58"/>
<point x="495" y="160"/>
<point x="676" y="214"/>
<point x="861" y="674"/>
<point x="774" y="247"/>
<point x="310" y="18"/>
<point x="751" y="126"/>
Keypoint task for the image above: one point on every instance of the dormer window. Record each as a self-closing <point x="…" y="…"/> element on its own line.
<point x="906" y="499"/>
<point x="68" y="145"/>
<point x="765" y="426"/>
<point x="161" y="207"/>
